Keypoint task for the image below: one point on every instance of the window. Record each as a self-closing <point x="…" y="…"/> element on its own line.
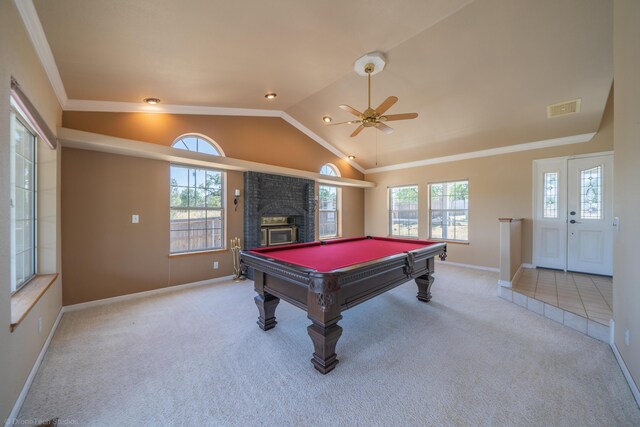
<point x="550" y="196"/>
<point x="328" y="205"/>
<point x="403" y="211"/>
<point x="22" y="202"/>
<point x="449" y="211"/>
<point x="197" y="201"/>
<point x="590" y="187"/>
<point x="198" y="144"/>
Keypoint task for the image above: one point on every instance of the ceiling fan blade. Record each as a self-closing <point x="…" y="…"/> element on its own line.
<point x="357" y="131"/>
<point x="350" y="122"/>
<point x="384" y="128"/>
<point x="386" y="104"/>
<point x="351" y="110"/>
<point x="404" y="116"/>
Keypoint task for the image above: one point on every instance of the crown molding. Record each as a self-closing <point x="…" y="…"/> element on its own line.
<point x="139" y="107"/>
<point x="546" y="143"/>
<point x="317" y="138"/>
<point x="34" y="28"/>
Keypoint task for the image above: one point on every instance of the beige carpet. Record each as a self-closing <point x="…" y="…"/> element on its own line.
<point x="197" y="358"/>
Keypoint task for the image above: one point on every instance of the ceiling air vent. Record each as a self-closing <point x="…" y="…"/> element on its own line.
<point x="563" y="108"/>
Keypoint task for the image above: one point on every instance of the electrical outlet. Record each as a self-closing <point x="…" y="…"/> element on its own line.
<point x="135" y="219"/>
<point x="39" y="325"/>
<point x="627" y="337"/>
<point x="215" y="265"/>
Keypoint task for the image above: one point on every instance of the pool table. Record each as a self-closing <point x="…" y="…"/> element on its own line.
<point x="325" y="278"/>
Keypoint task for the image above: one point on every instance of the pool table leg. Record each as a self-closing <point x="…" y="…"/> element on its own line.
<point x="324" y="344"/>
<point x="425" y="281"/>
<point x="267" y="304"/>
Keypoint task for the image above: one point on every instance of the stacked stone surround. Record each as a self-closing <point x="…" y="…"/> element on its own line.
<point x="276" y="195"/>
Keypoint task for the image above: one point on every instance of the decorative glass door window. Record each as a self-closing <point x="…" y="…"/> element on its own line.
<point x="590" y="193"/>
<point x="550" y="196"/>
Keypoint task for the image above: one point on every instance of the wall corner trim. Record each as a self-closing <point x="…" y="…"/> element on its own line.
<point x="623" y="367"/>
<point x="535" y="145"/>
<point x="34" y="28"/>
<point x="11" y="420"/>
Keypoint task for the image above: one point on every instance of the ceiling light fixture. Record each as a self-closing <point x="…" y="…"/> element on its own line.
<point x="327" y="119"/>
<point x="152" y="101"/>
<point x="352" y="157"/>
<point x="271" y="95"/>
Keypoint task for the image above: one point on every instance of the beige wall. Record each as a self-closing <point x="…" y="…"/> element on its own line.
<point x="19" y="349"/>
<point x="105" y="255"/>
<point x="626" y="285"/>
<point x="269" y="140"/>
<point x="499" y="186"/>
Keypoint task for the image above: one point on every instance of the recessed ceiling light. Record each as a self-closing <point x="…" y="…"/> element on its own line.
<point x="152" y="101"/>
<point x="327" y="119"/>
<point x="271" y="95"/>
<point x="352" y="157"/>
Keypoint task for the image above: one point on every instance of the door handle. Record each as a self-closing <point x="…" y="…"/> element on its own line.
<point x="573" y="221"/>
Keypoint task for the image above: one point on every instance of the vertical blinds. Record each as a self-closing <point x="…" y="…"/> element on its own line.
<point x="40" y="126"/>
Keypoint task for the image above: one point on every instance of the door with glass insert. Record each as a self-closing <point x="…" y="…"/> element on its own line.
<point x="590" y="215"/>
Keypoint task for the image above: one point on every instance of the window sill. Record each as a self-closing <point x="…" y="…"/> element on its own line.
<point x="26" y="298"/>
<point x="453" y="242"/>
<point x="208" y="251"/>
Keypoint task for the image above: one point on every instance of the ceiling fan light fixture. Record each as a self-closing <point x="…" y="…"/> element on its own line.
<point x="152" y="101"/>
<point x="271" y="95"/>
<point x="327" y="119"/>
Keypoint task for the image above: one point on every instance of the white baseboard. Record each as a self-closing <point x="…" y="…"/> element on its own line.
<point x="103" y="301"/>
<point x="527" y="265"/>
<point x="623" y="366"/>
<point x="504" y="283"/>
<point x="11" y="420"/>
<point x="476" y="267"/>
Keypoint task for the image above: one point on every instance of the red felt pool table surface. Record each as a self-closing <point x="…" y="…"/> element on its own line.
<point x="334" y="254"/>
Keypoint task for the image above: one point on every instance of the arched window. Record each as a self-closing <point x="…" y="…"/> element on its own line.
<point x="329" y="169"/>
<point x="196" y="200"/>
<point x="328" y="201"/>
<point x="197" y="143"/>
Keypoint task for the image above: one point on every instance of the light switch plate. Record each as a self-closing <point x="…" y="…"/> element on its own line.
<point x="135" y="219"/>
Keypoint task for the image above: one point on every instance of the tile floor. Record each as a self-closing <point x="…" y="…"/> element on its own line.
<point x="583" y="294"/>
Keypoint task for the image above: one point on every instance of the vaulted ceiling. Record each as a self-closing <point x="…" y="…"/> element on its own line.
<point x="479" y="73"/>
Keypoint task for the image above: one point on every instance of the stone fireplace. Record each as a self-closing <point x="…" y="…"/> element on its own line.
<point x="271" y="196"/>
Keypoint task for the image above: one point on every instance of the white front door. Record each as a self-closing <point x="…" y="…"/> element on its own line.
<point x="550" y="214"/>
<point x="573" y="214"/>
<point x="590" y="215"/>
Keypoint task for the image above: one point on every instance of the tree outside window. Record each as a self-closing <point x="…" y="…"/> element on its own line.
<point x="403" y="211"/>
<point x="449" y="211"/>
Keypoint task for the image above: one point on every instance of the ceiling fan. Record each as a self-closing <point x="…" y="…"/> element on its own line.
<point x="374" y="117"/>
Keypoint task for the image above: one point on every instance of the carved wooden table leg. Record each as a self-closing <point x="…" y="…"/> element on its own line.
<point x="267" y="304"/>
<point x="324" y="340"/>
<point x="424" y="283"/>
<point x="323" y="308"/>
<point x="424" y="287"/>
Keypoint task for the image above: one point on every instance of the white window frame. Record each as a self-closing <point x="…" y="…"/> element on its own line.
<point x="191" y="173"/>
<point x="16" y="116"/>
<point x="445" y="211"/>
<point x="329" y="169"/>
<point x="335" y="210"/>
<point x="391" y="211"/>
